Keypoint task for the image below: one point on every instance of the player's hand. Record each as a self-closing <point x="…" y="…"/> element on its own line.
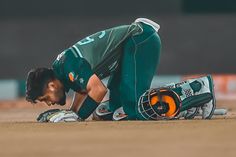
<point x="57" y="115"/>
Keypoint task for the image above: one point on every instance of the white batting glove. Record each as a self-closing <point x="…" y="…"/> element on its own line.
<point x="63" y="116"/>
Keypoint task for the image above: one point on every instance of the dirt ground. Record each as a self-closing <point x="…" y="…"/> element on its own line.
<point x="22" y="136"/>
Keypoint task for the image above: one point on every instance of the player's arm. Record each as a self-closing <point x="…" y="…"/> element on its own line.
<point x="87" y="101"/>
<point x="77" y="101"/>
<point x="96" y="89"/>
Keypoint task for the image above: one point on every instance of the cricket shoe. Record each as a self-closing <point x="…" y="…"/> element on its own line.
<point x="149" y="22"/>
<point x="209" y="107"/>
<point x="102" y="112"/>
<point x="119" y="115"/>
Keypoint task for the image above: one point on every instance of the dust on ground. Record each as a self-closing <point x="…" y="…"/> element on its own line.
<point x="22" y="136"/>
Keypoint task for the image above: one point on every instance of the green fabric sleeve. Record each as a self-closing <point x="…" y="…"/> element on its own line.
<point x="77" y="71"/>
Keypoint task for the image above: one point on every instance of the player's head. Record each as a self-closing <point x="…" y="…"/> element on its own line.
<point x="42" y="85"/>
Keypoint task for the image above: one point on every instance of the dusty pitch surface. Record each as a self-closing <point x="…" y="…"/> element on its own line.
<point x="21" y="136"/>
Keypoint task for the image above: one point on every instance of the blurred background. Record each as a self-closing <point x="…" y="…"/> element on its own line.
<point x="198" y="36"/>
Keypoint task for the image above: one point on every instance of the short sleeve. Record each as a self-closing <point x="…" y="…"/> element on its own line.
<point x="77" y="71"/>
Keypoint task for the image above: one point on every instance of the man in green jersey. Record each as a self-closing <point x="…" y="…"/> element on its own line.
<point x="129" y="54"/>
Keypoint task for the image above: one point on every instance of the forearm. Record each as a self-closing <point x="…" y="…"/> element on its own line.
<point x="84" y="105"/>
<point x="93" y="99"/>
<point x="98" y="94"/>
<point x="77" y="100"/>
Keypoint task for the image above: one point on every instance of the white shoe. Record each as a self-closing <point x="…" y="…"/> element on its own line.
<point x="149" y="22"/>
<point x="102" y="111"/>
<point x="119" y="114"/>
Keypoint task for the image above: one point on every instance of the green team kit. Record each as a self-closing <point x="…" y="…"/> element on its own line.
<point x="129" y="54"/>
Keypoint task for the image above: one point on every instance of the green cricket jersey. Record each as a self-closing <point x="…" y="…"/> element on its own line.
<point x="98" y="53"/>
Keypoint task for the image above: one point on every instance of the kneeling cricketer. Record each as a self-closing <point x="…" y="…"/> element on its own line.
<point x="129" y="54"/>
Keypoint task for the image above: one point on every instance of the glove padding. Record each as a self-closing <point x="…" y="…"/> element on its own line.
<point x="57" y="115"/>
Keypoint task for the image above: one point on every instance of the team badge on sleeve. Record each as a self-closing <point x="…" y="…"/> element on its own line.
<point x="72" y="76"/>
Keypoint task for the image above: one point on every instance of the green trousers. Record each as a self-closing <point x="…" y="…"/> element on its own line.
<point x="138" y="65"/>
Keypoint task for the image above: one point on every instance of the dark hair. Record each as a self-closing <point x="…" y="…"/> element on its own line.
<point x="37" y="80"/>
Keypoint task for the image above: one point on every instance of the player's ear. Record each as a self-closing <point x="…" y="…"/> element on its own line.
<point x="51" y="86"/>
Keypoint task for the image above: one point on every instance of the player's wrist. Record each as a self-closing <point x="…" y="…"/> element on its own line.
<point x="87" y="108"/>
